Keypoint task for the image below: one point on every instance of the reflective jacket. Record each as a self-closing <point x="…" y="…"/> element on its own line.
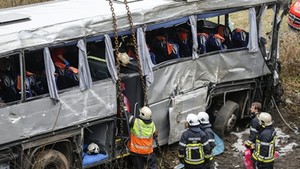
<point x="194" y="147"/>
<point x="141" y="136"/>
<point x="265" y="145"/>
<point x="254" y="129"/>
<point x="209" y="133"/>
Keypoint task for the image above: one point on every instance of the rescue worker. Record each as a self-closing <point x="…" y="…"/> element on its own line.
<point x="263" y="154"/>
<point x="194" y="149"/>
<point x="141" y="139"/>
<point x="255" y="110"/>
<point x="205" y="126"/>
<point x="8" y="92"/>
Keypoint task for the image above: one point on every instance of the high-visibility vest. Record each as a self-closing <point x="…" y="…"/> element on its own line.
<point x="257" y="152"/>
<point x="141" y="137"/>
<point x="194" y="153"/>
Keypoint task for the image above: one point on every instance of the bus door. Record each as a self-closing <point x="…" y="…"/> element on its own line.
<point x="190" y="102"/>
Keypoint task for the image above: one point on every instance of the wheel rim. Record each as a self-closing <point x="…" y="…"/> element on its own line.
<point x="231" y="122"/>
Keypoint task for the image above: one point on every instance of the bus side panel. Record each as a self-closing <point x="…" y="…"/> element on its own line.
<point x="177" y="78"/>
<point x="184" y="76"/>
<point x="191" y="102"/>
<point x="161" y="119"/>
<point x="42" y="115"/>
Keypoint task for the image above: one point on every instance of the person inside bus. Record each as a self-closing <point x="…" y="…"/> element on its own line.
<point x="57" y="55"/>
<point x="67" y="75"/>
<point x="34" y="64"/>
<point x="129" y="47"/>
<point x="240" y="38"/>
<point x="163" y="48"/>
<point x="182" y="39"/>
<point x="225" y="32"/>
<point x="8" y="92"/>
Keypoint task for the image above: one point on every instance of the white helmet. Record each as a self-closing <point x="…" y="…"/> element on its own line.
<point x="93" y="148"/>
<point x="265" y="119"/>
<point x="124" y="58"/>
<point x="203" y="118"/>
<point x="192" y="119"/>
<point x="145" y="113"/>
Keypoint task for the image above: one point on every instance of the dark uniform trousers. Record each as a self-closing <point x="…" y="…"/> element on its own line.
<point x="142" y="161"/>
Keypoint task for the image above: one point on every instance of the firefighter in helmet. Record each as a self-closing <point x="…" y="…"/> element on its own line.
<point x="205" y="126"/>
<point x="194" y="149"/>
<point x="263" y="154"/>
<point x="141" y="139"/>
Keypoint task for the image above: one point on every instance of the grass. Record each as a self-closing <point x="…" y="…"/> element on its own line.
<point x="11" y="3"/>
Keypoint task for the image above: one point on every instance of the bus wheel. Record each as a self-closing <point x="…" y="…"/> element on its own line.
<point x="226" y="118"/>
<point x="50" y="159"/>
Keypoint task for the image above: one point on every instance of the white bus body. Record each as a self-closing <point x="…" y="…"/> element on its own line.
<point x="35" y="122"/>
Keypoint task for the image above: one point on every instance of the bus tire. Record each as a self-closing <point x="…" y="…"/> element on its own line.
<point x="226" y="118"/>
<point x="50" y="159"/>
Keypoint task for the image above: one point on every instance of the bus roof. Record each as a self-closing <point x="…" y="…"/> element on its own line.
<point x="62" y="20"/>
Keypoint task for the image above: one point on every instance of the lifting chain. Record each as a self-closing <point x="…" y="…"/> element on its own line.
<point x="162" y="163"/>
<point x="120" y="95"/>
<point x="136" y="53"/>
<point x="119" y="89"/>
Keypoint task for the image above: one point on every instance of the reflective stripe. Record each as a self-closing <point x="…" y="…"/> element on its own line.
<point x="140" y="147"/>
<point x="192" y="148"/>
<point x="194" y="139"/>
<point x="257" y="153"/>
<point x="265" y="143"/>
<point x="138" y="132"/>
<point x="253" y="129"/>
<point x="210" y="157"/>
<point x="141" y="137"/>
<point x="204" y="144"/>
<point x="248" y="142"/>
<point x="182" y="144"/>
<point x="211" y="140"/>
<point x="180" y="155"/>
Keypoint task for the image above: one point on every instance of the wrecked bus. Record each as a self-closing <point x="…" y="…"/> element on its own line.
<point x="183" y="57"/>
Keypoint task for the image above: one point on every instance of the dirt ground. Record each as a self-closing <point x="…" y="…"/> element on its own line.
<point x="288" y="144"/>
<point x="232" y="157"/>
